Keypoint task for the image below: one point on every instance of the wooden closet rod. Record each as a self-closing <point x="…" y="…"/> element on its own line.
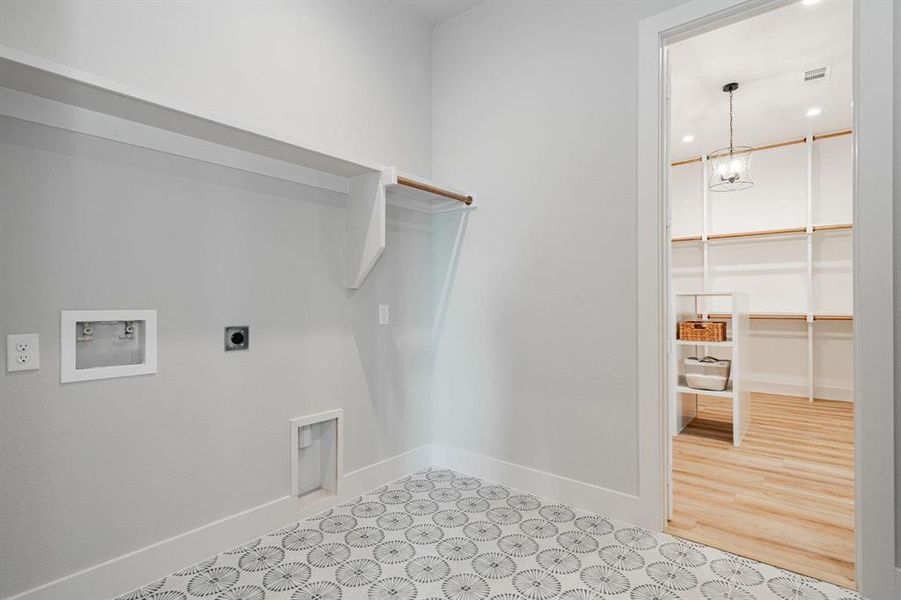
<point x="467" y="200"/>
<point x="783" y="317"/>
<point x="763" y="232"/>
<point x="822" y="136"/>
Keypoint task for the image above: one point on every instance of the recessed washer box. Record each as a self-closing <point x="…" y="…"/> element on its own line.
<point x="101" y="344"/>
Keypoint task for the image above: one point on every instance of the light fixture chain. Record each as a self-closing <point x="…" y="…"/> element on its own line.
<point x="731" y="144"/>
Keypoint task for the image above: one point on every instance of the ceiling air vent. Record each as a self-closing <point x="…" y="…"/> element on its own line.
<point x="817" y="75"/>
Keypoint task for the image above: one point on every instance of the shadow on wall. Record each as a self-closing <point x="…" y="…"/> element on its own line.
<point x="397" y="359"/>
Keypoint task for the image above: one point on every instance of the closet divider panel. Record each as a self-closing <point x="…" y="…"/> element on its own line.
<point x="777" y="199"/>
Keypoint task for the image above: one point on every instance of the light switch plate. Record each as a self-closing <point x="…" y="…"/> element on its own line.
<point x="384" y="316"/>
<point x="23" y="352"/>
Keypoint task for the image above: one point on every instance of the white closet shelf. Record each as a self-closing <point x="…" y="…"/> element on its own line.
<point x="36" y="90"/>
<point x="725" y="344"/>
<point x="683" y="388"/>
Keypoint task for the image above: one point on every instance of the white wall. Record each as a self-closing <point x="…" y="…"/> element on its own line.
<point x="535" y="110"/>
<point x="90" y="471"/>
<point x="344" y="76"/>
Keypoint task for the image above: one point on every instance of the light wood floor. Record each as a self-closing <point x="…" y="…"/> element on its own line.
<point x="784" y="497"/>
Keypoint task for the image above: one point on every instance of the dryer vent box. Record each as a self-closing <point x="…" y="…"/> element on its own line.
<point x="101" y="344"/>
<point x="316" y="444"/>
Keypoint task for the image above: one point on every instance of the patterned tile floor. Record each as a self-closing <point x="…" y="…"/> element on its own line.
<point x="437" y="534"/>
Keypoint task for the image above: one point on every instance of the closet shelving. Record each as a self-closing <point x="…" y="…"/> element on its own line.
<point x="708" y="240"/>
<point x="47" y="93"/>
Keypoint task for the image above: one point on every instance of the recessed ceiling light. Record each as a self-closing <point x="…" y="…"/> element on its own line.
<point x="812" y="112"/>
<point x="809" y="2"/>
<point x="688" y="138"/>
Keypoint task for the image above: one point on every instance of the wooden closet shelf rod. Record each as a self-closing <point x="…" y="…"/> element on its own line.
<point x="763" y="232"/>
<point x="467" y="200"/>
<point x="822" y="136"/>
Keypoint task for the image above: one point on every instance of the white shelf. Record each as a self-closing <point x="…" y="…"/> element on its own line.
<point x="683" y="388"/>
<point x="39" y="91"/>
<point x="726" y="344"/>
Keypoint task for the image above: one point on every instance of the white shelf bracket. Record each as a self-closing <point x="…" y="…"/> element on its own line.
<point x="366" y="223"/>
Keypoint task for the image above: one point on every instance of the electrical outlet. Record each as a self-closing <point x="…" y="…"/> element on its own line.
<point x="23" y="352"/>
<point x="384" y="316"/>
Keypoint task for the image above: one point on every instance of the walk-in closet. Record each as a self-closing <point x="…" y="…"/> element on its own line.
<point x="761" y="247"/>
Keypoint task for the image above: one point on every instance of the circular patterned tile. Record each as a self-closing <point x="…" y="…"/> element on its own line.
<point x="301" y="539"/>
<point x="427" y="569"/>
<point x="493" y="492"/>
<point x="604" y="580"/>
<point x="737" y="570"/>
<point x="318" y="590"/>
<point x="395" y="551"/>
<point x="538" y="528"/>
<point x="261" y="559"/>
<point x="482" y="531"/>
<point x="425" y="533"/>
<point x="392" y="588"/>
<point x="445" y="495"/>
<point x="650" y="591"/>
<point x="456" y="548"/>
<point x="493" y="565"/>
<point x="683" y="554"/>
<point x="355" y="573"/>
<point x="286" y="576"/>
<point x="722" y="590"/>
<point x="558" y="561"/>
<point x="466" y="483"/>
<point x="418" y="486"/>
<point x="577" y="541"/>
<point x="213" y="581"/>
<point x="396" y="497"/>
<point x="421" y="506"/>
<point x="368" y="510"/>
<point x="450" y="518"/>
<point x="635" y="538"/>
<point x="465" y="586"/>
<point x="363" y="537"/>
<point x="523" y="502"/>
<point x="245" y="592"/>
<point x="328" y="555"/>
<point x="517" y="545"/>
<point x="622" y="558"/>
<point x="536" y="584"/>
<point x="557" y="513"/>
<point x="794" y="588"/>
<point x="672" y="576"/>
<point x="337" y="523"/>
<point x="394" y="521"/>
<point x="473" y="505"/>
<point x="594" y="525"/>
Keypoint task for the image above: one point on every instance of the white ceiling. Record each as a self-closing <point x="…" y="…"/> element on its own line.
<point x="766" y="55"/>
<point x="437" y="11"/>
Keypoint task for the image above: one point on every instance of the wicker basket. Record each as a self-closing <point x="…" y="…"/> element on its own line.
<point x="702" y="331"/>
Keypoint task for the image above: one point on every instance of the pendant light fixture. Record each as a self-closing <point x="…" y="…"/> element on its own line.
<point x="730" y="167"/>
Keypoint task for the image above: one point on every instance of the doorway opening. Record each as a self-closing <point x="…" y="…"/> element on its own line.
<point x="760" y="272"/>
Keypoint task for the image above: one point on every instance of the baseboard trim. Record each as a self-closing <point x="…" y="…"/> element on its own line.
<point x="821" y="392"/>
<point x="150" y="563"/>
<point x="587" y="496"/>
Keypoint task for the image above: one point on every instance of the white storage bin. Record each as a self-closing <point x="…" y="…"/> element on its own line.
<point x="707" y="373"/>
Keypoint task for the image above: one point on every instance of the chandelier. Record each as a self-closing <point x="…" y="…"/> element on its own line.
<point x="731" y="166"/>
